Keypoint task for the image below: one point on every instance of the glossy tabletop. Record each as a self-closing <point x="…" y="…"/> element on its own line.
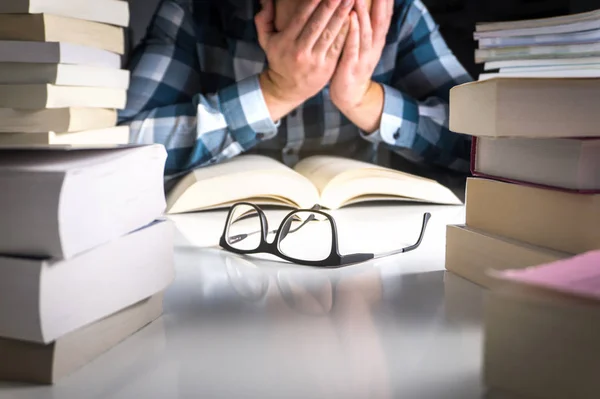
<point x="257" y="327"/>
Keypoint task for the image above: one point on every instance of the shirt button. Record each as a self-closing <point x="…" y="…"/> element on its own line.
<point x="396" y="136"/>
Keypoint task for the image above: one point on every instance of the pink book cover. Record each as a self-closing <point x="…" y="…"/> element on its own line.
<point x="476" y="173"/>
<point x="578" y="275"/>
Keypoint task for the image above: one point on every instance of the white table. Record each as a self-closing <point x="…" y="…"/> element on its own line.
<point x="253" y="327"/>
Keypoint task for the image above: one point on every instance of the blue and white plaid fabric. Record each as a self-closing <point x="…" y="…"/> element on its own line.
<point x="195" y="89"/>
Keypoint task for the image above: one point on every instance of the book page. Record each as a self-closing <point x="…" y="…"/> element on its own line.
<point x="342" y="181"/>
<point x="243" y="178"/>
<point x="247" y="163"/>
<point x="578" y="275"/>
<point x="321" y="170"/>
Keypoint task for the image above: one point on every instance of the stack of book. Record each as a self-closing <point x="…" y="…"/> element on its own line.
<point x="84" y="254"/>
<point x="61" y="80"/>
<point x="535" y="194"/>
<point x="534" y="200"/>
<point x="567" y="46"/>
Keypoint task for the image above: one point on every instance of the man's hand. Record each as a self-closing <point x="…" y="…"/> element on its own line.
<point x="352" y="90"/>
<point x="303" y="57"/>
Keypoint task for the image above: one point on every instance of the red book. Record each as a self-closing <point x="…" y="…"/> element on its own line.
<point x="569" y="164"/>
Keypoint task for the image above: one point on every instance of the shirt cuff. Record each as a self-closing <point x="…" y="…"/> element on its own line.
<point x="246" y="112"/>
<point x="398" y="126"/>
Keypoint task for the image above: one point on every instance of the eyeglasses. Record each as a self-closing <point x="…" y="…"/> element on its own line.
<point x="306" y="236"/>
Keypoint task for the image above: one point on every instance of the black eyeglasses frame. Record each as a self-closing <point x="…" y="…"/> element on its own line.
<point x="334" y="260"/>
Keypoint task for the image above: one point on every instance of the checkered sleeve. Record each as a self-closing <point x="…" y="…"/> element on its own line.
<point x="415" y="117"/>
<point x="165" y="103"/>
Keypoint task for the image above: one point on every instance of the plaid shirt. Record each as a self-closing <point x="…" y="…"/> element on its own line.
<point x="195" y="89"/>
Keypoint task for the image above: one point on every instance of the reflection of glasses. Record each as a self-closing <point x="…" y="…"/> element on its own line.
<point x="306" y="236"/>
<point x="311" y="294"/>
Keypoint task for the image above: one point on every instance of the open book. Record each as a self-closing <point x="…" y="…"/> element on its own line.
<point x="328" y="181"/>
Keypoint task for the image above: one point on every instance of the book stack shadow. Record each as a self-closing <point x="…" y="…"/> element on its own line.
<point x="61" y="80"/>
<point x="84" y="254"/>
<point x="534" y="198"/>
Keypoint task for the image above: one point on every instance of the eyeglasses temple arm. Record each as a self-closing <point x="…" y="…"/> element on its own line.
<point x="426" y="218"/>
<point x="286" y="230"/>
<point x="240" y="237"/>
<point x="356" y="258"/>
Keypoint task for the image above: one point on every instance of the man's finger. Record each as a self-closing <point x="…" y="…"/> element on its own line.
<point x="351" y="50"/>
<point x="381" y="17"/>
<point x="265" y="22"/>
<point x="303" y="14"/>
<point x="338" y="25"/>
<point x="318" y="22"/>
<point x="364" y="22"/>
<point x="335" y="50"/>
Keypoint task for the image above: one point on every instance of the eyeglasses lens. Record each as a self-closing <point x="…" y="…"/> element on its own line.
<point x="244" y="228"/>
<point x="307" y="236"/>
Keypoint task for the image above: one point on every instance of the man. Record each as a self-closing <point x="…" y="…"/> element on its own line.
<point x="290" y="78"/>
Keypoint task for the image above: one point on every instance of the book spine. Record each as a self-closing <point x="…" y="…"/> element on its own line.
<point x="476" y="173"/>
<point x="525" y="52"/>
<point x="473" y="154"/>
<point x="575" y="38"/>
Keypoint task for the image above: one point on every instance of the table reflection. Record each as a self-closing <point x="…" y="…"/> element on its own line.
<point x="269" y="329"/>
<point x="256" y="327"/>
